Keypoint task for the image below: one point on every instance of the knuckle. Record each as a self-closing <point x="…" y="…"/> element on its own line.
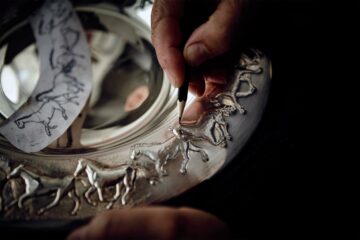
<point x="219" y="42"/>
<point x="233" y="3"/>
<point x="100" y="226"/>
<point x="169" y="220"/>
<point x="158" y="12"/>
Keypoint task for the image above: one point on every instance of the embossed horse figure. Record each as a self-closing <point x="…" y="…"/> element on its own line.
<point x="247" y="66"/>
<point x="4" y="170"/>
<point x="161" y="153"/>
<point x="158" y="153"/>
<point x="220" y="125"/>
<point x="185" y="144"/>
<point x="212" y="127"/>
<point x="36" y="185"/>
<point x="101" y="177"/>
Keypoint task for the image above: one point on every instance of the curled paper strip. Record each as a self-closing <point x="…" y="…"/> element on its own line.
<point x="65" y="80"/>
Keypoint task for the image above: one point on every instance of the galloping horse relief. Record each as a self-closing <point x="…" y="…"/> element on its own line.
<point x="158" y="153"/>
<point x="247" y="67"/>
<point x="4" y="171"/>
<point x="185" y="145"/>
<point x="37" y="185"/>
<point x="212" y="129"/>
<point x="146" y="164"/>
<point x="100" y="178"/>
<point x="182" y="143"/>
<point x="123" y="177"/>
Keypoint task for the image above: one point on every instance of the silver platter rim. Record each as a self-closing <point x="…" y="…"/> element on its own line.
<point x="210" y="147"/>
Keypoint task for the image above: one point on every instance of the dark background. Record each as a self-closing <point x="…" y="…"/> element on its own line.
<point x="279" y="185"/>
<point x="288" y="181"/>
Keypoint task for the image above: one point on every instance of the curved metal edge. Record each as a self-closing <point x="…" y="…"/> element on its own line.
<point x="208" y="140"/>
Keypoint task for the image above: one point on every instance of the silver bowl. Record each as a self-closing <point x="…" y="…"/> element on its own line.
<point x="129" y="150"/>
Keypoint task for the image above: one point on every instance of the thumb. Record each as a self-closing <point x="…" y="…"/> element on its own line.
<point x="215" y="36"/>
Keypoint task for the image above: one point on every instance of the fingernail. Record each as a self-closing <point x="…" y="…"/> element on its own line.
<point x="171" y="78"/>
<point x="77" y="234"/>
<point x="197" y="54"/>
<point x="194" y="115"/>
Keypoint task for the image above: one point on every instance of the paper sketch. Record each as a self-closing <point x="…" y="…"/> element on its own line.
<point x="65" y="80"/>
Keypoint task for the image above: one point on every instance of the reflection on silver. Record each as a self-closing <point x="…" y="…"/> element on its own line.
<point x="121" y="56"/>
<point x="17" y="79"/>
<point x="141" y="163"/>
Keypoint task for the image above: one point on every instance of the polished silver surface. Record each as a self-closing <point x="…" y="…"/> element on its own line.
<point x="140" y="161"/>
<point x="64" y="84"/>
<point x="17" y="79"/>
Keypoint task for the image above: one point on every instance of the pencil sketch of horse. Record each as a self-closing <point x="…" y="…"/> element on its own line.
<point x="48" y="108"/>
<point x="67" y="60"/>
<point x="64" y="60"/>
<point x="59" y="14"/>
<point x="64" y="90"/>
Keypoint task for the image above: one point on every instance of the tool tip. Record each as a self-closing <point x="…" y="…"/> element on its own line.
<point x="181" y="106"/>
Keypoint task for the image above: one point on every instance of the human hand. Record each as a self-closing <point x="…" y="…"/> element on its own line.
<point x="212" y="26"/>
<point x="160" y="223"/>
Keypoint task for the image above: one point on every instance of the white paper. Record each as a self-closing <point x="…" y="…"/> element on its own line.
<point x="65" y="79"/>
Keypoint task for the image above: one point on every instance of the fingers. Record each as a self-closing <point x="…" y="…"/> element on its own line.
<point x="215" y="36"/>
<point x="141" y="223"/>
<point x="194" y="113"/>
<point x="211" y="39"/>
<point x="159" y="223"/>
<point x="166" y="38"/>
<point x="197" y="84"/>
<point x="196" y="224"/>
<point x="212" y="77"/>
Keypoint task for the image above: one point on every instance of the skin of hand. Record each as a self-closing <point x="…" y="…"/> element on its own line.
<point x="153" y="223"/>
<point x="210" y="29"/>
